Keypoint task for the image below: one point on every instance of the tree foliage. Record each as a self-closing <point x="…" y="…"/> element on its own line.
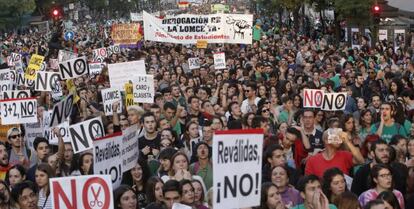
<point x="12" y="10"/>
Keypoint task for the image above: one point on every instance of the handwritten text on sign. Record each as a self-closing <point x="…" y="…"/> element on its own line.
<point x="18" y="111"/>
<point x="237" y="166"/>
<point x="315" y="98"/>
<point x="219" y="61"/>
<point x="144" y="90"/>
<point x="109" y="96"/>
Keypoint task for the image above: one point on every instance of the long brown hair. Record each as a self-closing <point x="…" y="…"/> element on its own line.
<point x="171" y="172"/>
<point x="46" y="168"/>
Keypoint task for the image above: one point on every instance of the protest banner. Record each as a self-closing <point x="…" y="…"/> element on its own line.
<point x="135" y="17"/>
<point x="73" y="68"/>
<point x="201" y="44"/>
<point x="18" y="111"/>
<point x="144" y="89"/>
<point x="109" y="96"/>
<point x="193" y="63"/>
<point x="15" y="94"/>
<point x="82" y="134"/>
<point x="52" y="137"/>
<point x="61" y="111"/>
<point x="399" y="38"/>
<point x="47" y="81"/>
<point x="32" y="130"/>
<point x="126" y="34"/>
<point x="35" y="64"/>
<point x="95" y="69"/>
<point x="121" y="73"/>
<point x="99" y="55"/>
<point x="66" y="55"/>
<point x="108" y="157"/>
<point x="130" y="147"/>
<point x="129" y="95"/>
<point x="237" y="163"/>
<point x="316" y="98"/>
<point x="75" y="192"/>
<point x="188" y="28"/>
<point x="113" y="49"/>
<point x="219" y="60"/>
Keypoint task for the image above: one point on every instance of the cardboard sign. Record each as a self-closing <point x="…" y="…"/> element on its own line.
<point x="144" y="89"/>
<point x="201" y="44"/>
<point x="193" y="63"/>
<point x="219" y="61"/>
<point x="113" y="49"/>
<point x="129" y="95"/>
<point x="35" y="64"/>
<point x="18" y="111"/>
<point x="89" y="192"/>
<point x="316" y="98"/>
<point x="73" y="68"/>
<point x="130" y="148"/>
<point x="32" y="130"/>
<point x="15" y="94"/>
<point x="52" y="137"/>
<point x="135" y="17"/>
<point x="121" y="73"/>
<point x="109" y="96"/>
<point x="83" y="134"/>
<point x="95" y="69"/>
<point x="48" y="81"/>
<point x="126" y="34"/>
<point x="107" y="154"/>
<point x="189" y="28"/>
<point x="99" y="55"/>
<point x="61" y="111"/>
<point x="237" y="163"/>
<point x="66" y="55"/>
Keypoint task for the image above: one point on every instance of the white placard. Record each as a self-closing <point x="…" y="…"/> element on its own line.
<point x="109" y="96"/>
<point x="143" y="88"/>
<point x="219" y="60"/>
<point x="73" y="68"/>
<point x="61" y="111"/>
<point x="15" y="94"/>
<point x="18" y="111"/>
<point x="382" y="34"/>
<point x="135" y="17"/>
<point x="52" y="137"/>
<point x="121" y="73"/>
<point x="95" y="69"/>
<point x="237" y="173"/>
<point x="193" y="63"/>
<point x="130" y="148"/>
<point x="32" y="130"/>
<point x="316" y="98"/>
<point x="91" y="191"/>
<point x="83" y="134"/>
<point x="108" y="159"/>
<point x="66" y="55"/>
<point x="48" y="81"/>
<point x="99" y="55"/>
<point x="399" y="38"/>
<point x="355" y="38"/>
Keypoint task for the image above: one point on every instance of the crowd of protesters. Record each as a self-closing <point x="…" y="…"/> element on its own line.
<point x="369" y="165"/>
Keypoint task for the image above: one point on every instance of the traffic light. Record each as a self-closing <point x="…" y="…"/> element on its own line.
<point x="376" y="10"/>
<point x="56" y="13"/>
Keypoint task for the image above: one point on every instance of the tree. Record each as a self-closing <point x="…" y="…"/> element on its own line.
<point x="12" y="11"/>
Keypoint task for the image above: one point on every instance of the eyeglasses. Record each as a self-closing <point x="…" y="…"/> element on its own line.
<point x="371" y="72"/>
<point x="247" y="91"/>
<point x="267" y="102"/>
<point x="265" y="110"/>
<point x="15" y="136"/>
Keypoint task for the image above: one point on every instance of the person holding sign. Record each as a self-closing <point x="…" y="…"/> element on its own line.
<point x="332" y="156"/>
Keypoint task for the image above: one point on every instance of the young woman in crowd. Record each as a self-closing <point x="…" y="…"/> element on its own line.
<point x="5" y="198"/>
<point x="15" y="175"/>
<point x="333" y="184"/>
<point x="154" y="190"/>
<point x="137" y="179"/>
<point x="270" y="197"/>
<point x="44" y="172"/>
<point x="381" y="179"/>
<point x="190" y="137"/>
<point x="84" y="165"/>
<point x="125" y="198"/>
<point x="389" y="199"/>
<point x="348" y="126"/>
<point x="365" y="122"/>
<point x="199" y="197"/>
<point x="280" y="178"/>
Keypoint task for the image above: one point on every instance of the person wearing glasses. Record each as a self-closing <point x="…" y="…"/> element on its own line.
<point x="381" y="178"/>
<point x="19" y="153"/>
<point x="251" y="98"/>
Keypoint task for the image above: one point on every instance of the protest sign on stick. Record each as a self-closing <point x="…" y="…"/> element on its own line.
<point x="143" y="87"/>
<point x="121" y="73"/>
<point x="193" y="63"/>
<point x="61" y="111"/>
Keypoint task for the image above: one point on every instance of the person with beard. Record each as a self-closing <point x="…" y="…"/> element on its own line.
<point x="149" y="144"/>
<point x="4" y="161"/>
<point x="380" y="151"/>
<point x="203" y="167"/>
